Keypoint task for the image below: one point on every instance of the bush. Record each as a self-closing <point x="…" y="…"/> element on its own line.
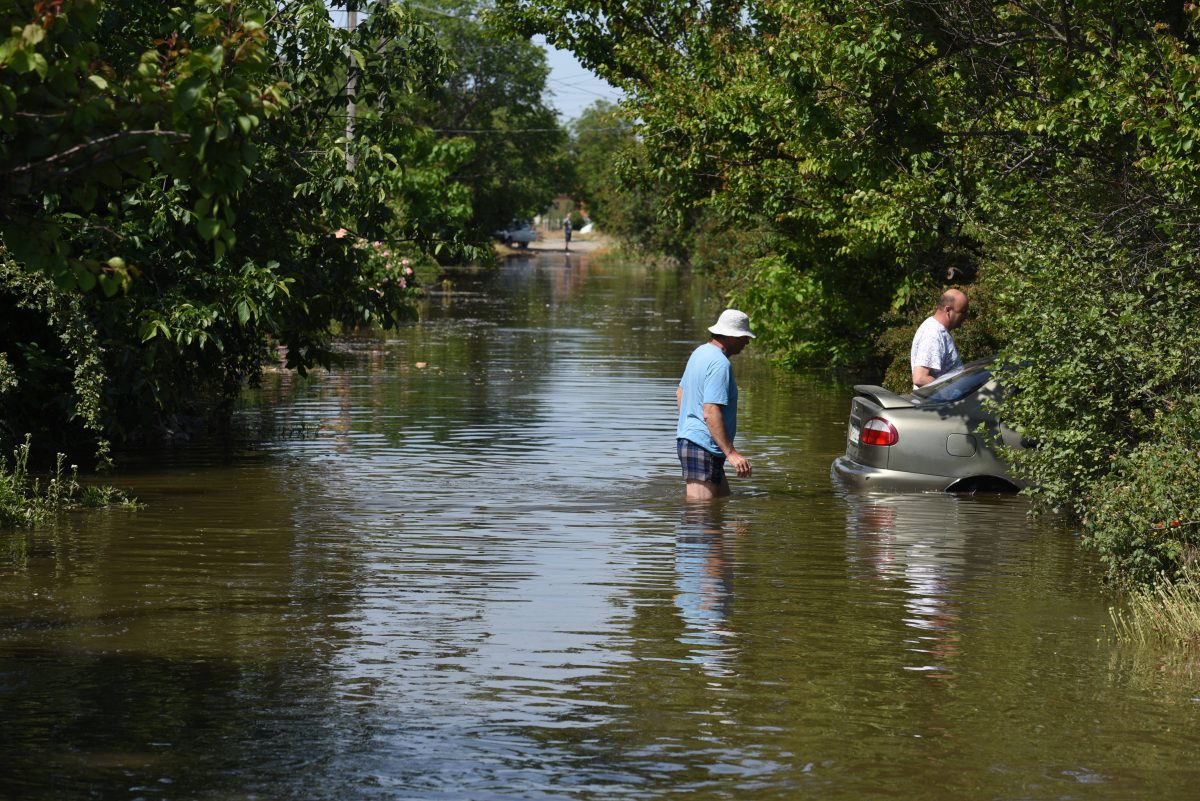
<point x="1101" y="334"/>
<point x="1144" y="516"/>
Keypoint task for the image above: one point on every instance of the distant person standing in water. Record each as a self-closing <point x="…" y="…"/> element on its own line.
<point x="934" y="353"/>
<point x="567" y="233"/>
<point x="707" y="399"/>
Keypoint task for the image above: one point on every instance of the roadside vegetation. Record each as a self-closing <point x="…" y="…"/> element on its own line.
<point x="837" y="164"/>
<point x="490" y="97"/>
<point x="1166" y="613"/>
<point x="26" y="499"/>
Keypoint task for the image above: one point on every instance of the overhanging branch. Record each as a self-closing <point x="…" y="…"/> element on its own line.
<point x="72" y="152"/>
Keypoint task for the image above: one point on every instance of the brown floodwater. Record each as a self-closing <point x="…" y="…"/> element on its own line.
<point x="477" y="579"/>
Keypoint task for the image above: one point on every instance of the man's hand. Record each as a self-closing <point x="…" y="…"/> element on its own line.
<point x="739" y="463"/>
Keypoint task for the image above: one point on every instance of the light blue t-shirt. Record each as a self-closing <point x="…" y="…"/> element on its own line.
<point x="708" y="378"/>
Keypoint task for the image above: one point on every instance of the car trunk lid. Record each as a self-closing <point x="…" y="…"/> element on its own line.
<point x="870" y="401"/>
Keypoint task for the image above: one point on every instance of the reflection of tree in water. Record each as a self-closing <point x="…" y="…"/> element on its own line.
<point x="919" y="543"/>
<point x="704" y="560"/>
<point x="199" y="648"/>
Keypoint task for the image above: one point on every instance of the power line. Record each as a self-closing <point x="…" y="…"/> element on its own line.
<point x="472" y="131"/>
<point x="580" y="90"/>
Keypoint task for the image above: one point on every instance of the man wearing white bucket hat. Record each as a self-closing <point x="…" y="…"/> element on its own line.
<point x="707" y="398"/>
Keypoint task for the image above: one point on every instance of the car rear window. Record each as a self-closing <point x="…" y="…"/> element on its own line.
<point x="957" y="385"/>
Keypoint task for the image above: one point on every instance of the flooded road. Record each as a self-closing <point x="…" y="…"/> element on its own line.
<point x="477" y="579"/>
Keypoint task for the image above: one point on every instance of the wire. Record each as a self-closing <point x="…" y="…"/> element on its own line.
<point x="471" y="131"/>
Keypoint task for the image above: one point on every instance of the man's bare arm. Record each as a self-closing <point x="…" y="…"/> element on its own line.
<point x="678" y="398"/>
<point x="921" y="375"/>
<point x="716" y="426"/>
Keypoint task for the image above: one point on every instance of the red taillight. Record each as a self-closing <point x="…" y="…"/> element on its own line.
<point x="878" y="431"/>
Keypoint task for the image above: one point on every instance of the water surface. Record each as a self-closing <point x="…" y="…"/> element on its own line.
<point x="477" y="579"/>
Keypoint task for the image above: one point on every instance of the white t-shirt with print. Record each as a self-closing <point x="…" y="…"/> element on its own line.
<point x="933" y="347"/>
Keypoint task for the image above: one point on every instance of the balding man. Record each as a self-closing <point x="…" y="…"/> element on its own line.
<point x="934" y="353"/>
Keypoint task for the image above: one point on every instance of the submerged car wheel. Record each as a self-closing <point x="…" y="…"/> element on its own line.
<point x="986" y="484"/>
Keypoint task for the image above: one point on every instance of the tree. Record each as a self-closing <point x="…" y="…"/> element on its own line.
<point x="752" y="117"/>
<point x="492" y="96"/>
<point x="600" y="136"/>
<point x="178" y="201"/>
<point x="81" y="126"/>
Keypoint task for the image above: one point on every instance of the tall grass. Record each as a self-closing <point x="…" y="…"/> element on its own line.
<point x="1168" y="612"/>
<point x="25" y="500"/>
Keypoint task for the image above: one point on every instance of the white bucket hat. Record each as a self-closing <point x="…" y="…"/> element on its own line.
<point x="732" y="323"/>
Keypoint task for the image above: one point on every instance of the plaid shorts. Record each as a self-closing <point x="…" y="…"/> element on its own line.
<point x="698" y="464"/>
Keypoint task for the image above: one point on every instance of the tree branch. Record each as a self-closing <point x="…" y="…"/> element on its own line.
<point x="77" y="149"/>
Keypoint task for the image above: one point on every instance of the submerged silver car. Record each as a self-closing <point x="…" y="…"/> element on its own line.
<point x="929" y="439"/>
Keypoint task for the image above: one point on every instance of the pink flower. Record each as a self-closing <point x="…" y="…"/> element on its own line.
<point x="340" y="233"/>
<point x="386" y="253"/>
<point x="403" y="284"/>
<point x="405" y="262"/>
<point x="408" y="270"/>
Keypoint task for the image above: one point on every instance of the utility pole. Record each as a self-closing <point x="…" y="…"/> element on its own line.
<point x="351" y="24"/>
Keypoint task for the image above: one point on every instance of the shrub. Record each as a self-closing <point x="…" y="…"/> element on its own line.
<point x="1144" y="517"/>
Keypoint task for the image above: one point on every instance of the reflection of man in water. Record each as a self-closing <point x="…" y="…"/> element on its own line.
<point x="707" y="399"/>
<point x="704" y="559"/>
<point x="934" y="353"/>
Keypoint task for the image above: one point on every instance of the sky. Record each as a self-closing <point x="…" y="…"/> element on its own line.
<point x="571" y="88"/>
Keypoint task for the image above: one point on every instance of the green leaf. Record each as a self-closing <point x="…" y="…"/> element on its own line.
<point x="33" y="34"/>
<point x="109" y="284"/>
<point x="189" y="93"/>
<point x="85" y="279"/>
<point x="20" y="61"/>
<point x="208" y="228"/>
